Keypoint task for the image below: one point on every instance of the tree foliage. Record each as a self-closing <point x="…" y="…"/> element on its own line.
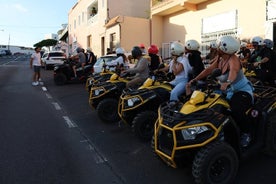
<point x="46" y="43"/>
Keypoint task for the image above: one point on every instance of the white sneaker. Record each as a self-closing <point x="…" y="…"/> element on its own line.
<point x="35" y="83"/>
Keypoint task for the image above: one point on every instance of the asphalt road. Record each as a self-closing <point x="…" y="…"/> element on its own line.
<point x="49" y="134"/>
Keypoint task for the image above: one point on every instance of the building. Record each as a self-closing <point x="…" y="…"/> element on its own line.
<point x="207" y="20"/>
<point x="102" y="24"/>
<point x="17" y="49"/>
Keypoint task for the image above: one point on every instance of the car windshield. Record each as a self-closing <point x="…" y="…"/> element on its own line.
<point x="54" y="54"/>
<point x="101" y="60"/>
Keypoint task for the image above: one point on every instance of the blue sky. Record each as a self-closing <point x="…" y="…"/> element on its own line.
<point x="26" y="22"/>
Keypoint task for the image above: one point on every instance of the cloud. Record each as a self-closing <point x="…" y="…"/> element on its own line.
<point x="20" y="8"/>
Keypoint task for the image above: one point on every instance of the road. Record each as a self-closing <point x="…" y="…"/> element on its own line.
<point x="49" y="134"/>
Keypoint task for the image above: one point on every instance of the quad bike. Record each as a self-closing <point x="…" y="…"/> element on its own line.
<point x="98" y="77"/>
<point x="64" y="73"/>
<point x="138" y="108"/>
<point x="249" y="72"/>
<point x="202" y="130"/>
<point x="104" y="97"/>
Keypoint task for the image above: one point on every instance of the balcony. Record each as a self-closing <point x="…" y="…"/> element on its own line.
<point x="166" y="7"/>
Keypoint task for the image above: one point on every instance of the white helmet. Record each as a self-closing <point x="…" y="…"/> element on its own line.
<point x="268" y="43"/>
<point x="228" y="44"/>
<point x="177" y="48"/>
<point x="213" y="45"/>
<point x="120" y="50"/>
<point x="192" y="45"/>
<point x="257" y="40"/>
<point x="243" y="44"/>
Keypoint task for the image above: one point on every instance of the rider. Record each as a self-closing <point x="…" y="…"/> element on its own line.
<point x="80" y="59"/>
<point x="121" y="62"/>
<point x="238" y="89"/>
<point x="212" y="54"/>
<point x="244" y="53"/>
<point x="141" y="69"/>
<point x="180" y="67"/>
<point x="194" y="56"/>
<point x="155" y="59"/>
<point x="261" y="59"/>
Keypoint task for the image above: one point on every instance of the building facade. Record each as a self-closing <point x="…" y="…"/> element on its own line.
<point x="102" y="24"/>
<point x="206" y="20"/>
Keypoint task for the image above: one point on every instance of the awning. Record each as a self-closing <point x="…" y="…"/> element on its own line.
<point x="112" y="22"/>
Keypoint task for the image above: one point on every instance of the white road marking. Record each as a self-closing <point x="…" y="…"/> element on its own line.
<point x="44" y="88"/>
<point x="97" y="157"/>
<point x="69" y="122"/>
<point x="48" y="96"/>
<point x="56" y="106"/>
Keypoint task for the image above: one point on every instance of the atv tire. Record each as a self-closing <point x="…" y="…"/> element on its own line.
<point x="60" y="79"/>
<point x="143" y="125"/>
<point x="271" y="134"/>
<point x="215" y="163"/>
<point x="107" y="110"/>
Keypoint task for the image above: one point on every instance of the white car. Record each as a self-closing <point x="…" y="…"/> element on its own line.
<point x="98" y="66"/>
<point x="52" y="58"/>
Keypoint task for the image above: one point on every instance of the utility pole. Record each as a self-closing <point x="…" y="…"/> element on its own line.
<point x="9" y="42"/>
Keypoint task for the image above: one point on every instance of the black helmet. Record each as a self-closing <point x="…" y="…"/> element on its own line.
<point x="136" y="52"/>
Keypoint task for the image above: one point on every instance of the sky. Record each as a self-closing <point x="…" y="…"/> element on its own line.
<point x="26" y="22"/>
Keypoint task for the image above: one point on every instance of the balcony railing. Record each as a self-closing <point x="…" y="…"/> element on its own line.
<point x="92" y="19"/>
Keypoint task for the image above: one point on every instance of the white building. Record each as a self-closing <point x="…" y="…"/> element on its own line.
<point x="17" y="49"/>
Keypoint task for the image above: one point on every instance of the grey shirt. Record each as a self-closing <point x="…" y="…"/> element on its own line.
<point x="141" y="68"/>
<point x="82" y="57"/>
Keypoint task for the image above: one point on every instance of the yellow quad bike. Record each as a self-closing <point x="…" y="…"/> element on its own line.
<point x="249" y="72"/>
<point x="98" y="77"/>
<point x="104" y="97"/>
<point x="202" y="130"/>
<point x="138" y="108"/>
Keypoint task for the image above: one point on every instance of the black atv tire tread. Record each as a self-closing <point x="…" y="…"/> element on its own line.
<point x="60" y="79"/>
<point x="205" y="155"/>
<point x="139" y="120"/>
<point x="271" y="134"/>
<point x="103" y="106"/>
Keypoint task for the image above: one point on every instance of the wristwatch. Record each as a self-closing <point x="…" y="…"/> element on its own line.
<point x="229" y="81"/>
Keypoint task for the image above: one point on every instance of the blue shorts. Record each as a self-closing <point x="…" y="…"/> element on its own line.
<point x="37" y="68"/>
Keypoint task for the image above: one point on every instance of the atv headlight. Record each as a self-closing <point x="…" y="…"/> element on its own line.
<point x="132" y="101"/>
<point x="98" y="91"/>
<point x="191" y="133"/>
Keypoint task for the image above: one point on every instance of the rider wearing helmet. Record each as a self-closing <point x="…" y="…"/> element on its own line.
<point x="180" y="67"/>
<point x="121" y="61"/>
<point x="80" y="59"/>
<point x="244" y="53"/>
<point x="262" y="59"/>
<point x="141" y="69"/>
<point x="257" y="43"/>
<point x="155" y="59"/>
<point x="213" y="52"/>
<point x="238" y="89"/>
<point x="194" y="56"/>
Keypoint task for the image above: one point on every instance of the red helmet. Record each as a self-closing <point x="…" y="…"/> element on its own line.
<point x="153" y="49"/>
<point x="142" y="46"/>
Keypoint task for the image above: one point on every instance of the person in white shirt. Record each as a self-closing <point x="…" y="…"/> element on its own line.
<point x="35" y="63"/>
<point x="120" y="62"/>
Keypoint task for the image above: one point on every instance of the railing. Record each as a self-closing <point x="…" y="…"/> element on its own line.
<point x="92" y="19"/>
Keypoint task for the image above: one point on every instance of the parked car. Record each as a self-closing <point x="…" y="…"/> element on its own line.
<point x="8" y="52"/>
<point x="98" y="66"/>
<point x="52" y="58"/>
<point x="2" y="53"/>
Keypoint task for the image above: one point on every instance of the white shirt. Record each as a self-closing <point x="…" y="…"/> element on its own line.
<point x="186" y="65"/>
<point x="36" y="59"/>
